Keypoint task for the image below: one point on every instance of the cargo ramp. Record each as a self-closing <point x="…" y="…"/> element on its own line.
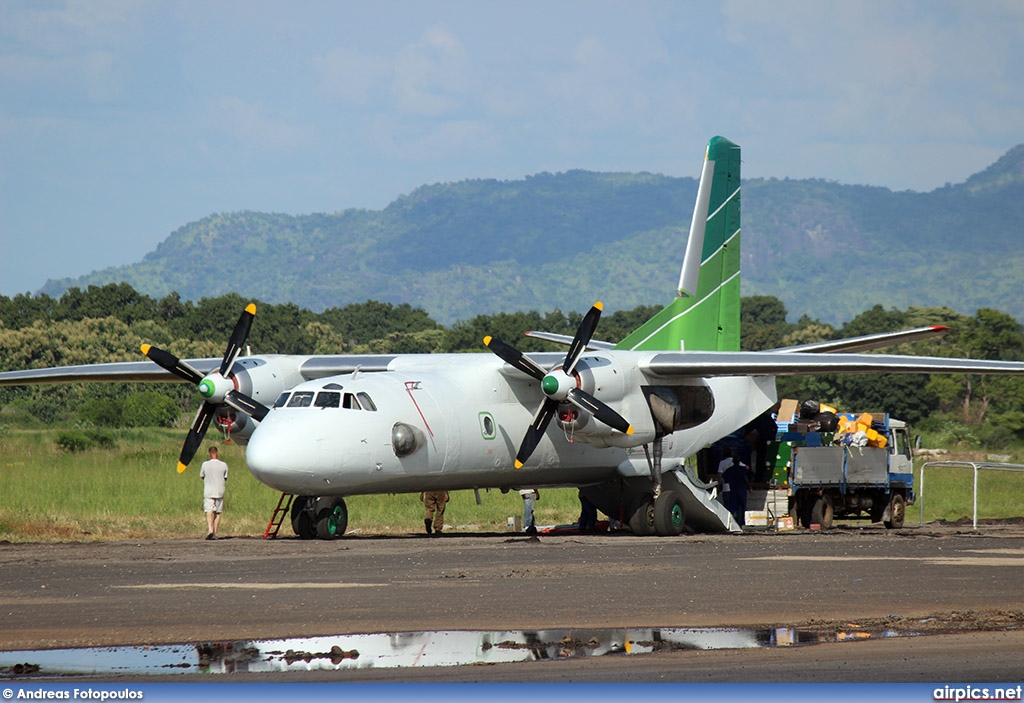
<point x="704" y="512"/>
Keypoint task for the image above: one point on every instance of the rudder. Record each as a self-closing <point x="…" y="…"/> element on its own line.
<point x="705" y="315"/>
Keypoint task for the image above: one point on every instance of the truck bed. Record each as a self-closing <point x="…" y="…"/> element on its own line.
<point x="825" y="465"/>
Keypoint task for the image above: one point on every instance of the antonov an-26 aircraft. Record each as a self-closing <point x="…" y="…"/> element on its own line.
<point x="615" y="420"/>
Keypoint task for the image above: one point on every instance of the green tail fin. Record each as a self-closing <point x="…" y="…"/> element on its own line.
<point x="706" y="312"/>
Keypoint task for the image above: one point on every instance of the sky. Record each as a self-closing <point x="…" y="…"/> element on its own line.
<point x="123" y="120"/>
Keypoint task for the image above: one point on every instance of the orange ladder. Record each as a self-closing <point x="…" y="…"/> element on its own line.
<point x="284" y="505"/>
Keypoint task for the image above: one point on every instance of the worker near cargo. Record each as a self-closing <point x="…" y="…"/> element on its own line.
<point x="735" y="483"/>
<point x="434" y="502"/>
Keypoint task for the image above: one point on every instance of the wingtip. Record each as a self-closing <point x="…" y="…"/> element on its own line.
<point x="182" y="467"/>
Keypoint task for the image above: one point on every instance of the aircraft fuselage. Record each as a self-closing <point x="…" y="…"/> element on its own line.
<point x="449" y="422"/>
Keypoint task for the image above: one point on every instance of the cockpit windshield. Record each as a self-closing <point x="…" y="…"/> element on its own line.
<point x="326" y="399"/>
<point x="300" y="399"/>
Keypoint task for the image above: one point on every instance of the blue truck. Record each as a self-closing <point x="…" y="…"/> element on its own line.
<point x="839" y="475"/>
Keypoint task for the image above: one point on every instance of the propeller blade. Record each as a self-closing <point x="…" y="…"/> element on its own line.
<point x="533" y="435"/>
<point x="583" y="400"/>
<point x="195" y="435"/>
<point x="514" y="357"/>
<point x="238" y="337"/>
<point x="583" y="334"/>
<point x="170" y="362"/>
<point x="243" y="403"/>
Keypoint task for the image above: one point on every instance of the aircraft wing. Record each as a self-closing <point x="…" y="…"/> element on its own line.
<point x="309" y="367"/>
<point x="779" y="363"/>
<point x="566" y="340"/>
<point x="124" y="371"/>
<point x="325" y="365"/>
<point x="868" y="341"/>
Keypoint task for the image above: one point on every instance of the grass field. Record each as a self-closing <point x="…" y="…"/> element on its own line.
<point x="133" y="491"/>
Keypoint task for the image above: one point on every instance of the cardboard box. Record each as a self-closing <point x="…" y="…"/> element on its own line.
<point x="756" y="518"/>
<point x="787" y="409"/>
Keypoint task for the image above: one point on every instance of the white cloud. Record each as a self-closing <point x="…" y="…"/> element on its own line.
<point x="433" y="75"/>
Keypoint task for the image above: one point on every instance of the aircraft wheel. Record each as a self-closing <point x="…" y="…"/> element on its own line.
<point x="331" y="518"/>
<point x="641" y="520"/>
<point x="897" y="511"/>
<point x="302" y="523"/>
<point x="669" y="515"/>
<point x="822" y="512"/>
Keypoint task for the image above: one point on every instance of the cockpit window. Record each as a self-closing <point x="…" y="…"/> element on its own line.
<point x="281" y="400"/>
<point x="365" y="401"/>
<point x="301" y="399"/>
<point x="350" y="402"/>
<point x="328" y="399"/>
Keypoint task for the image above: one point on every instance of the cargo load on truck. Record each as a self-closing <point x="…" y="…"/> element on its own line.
<point x="843" y="465"/>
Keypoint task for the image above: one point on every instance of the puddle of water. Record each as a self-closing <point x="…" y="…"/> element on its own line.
<point x="397" y="650"/>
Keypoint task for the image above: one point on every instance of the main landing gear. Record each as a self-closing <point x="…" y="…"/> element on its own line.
<point x="325" y="517"/>
<point x="659" y="512"/>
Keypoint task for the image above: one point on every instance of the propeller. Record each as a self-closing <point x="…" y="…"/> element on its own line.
<point x="559" y="384"/>
<point x="216" y="387"/>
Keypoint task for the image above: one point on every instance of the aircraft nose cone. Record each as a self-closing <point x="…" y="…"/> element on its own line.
<point x="274" y="453"/>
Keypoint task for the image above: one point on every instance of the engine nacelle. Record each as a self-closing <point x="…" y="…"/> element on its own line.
<point x="236" y="426"/>
<point x="600" y="377"/>
<point x="264" y="378"/>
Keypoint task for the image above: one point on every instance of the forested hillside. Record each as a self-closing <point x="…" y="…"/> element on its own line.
<point x="562" y="241"/>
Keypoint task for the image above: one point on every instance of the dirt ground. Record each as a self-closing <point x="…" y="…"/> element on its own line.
<point x="934" y="603"/>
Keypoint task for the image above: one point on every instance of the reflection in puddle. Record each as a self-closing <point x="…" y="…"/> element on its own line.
<point x="398" y="650"/>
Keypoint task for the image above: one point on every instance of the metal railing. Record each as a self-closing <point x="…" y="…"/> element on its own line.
<point x="976" y="466"/>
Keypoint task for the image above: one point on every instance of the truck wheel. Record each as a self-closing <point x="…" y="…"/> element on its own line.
<point x="669" y="515"/>
<point x="803" y="506"/>
<point x="897" y="511"/>
<point x="821" y="513"/>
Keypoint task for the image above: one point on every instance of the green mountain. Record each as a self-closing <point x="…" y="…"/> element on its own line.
<point x="564" y="240"/>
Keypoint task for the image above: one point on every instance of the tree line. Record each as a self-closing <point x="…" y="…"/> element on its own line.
<point x="110" y="322"/>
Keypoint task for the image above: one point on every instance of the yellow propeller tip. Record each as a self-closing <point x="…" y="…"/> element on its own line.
<point x="251" y="308"/>
<point x="487" y="341"/>
<point x="182" y="467"/>
<point x="145" y="349"/>
<point x="629" y="430"/>
<point x="599" y="305"/>
<point x="519" y="464"/>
